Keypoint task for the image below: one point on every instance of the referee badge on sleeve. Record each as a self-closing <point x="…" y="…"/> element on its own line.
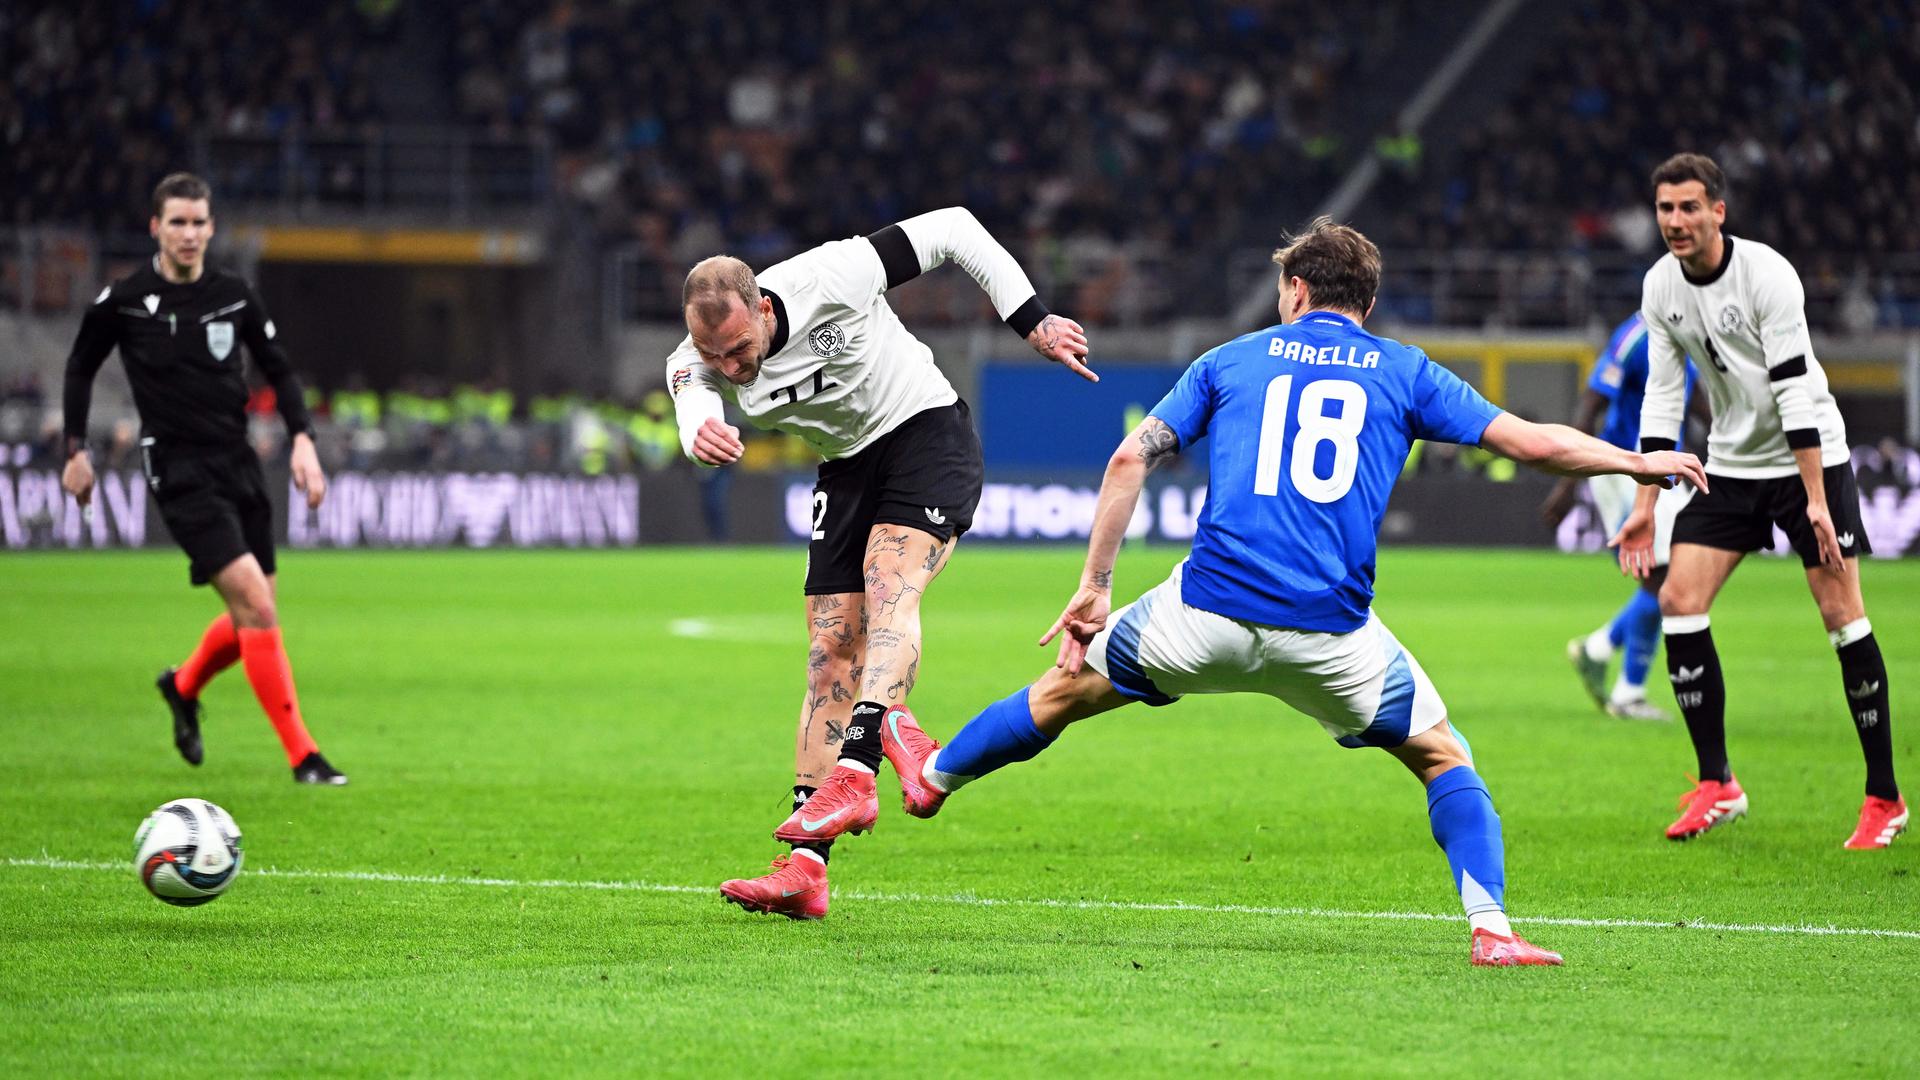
<point x="220" y="339"/>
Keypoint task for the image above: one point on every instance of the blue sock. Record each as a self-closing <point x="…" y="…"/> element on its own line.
<point x="1002" y="734"/>
<point x="1468" y="830"/>
<point x="1642" y="616"/>
<point x="1617" y="629"/>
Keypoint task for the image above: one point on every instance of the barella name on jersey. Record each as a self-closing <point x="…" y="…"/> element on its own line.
<point x="1334" y="355"/>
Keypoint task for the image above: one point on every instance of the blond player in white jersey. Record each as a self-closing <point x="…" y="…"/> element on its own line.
<point x="1777" y="455"/>
<point x="810" y="347"/>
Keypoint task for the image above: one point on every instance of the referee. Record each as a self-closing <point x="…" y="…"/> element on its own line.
<point x="177" y="325"/>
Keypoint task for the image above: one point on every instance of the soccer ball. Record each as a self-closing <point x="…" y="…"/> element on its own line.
<point x="187" y="852"/>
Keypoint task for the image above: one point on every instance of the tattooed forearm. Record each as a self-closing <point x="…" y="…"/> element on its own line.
<point x="1101" y="579"/>
<point x="1157" y="442"/>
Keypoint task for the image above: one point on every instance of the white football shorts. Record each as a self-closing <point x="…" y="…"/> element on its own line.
<point x="1613" y="496"/>
<point x="1363" y="687"/>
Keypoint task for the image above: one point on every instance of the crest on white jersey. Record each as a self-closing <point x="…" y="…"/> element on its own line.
<point x="827" y="340"/>
<point x="152" y="300"/>
<point x="220" y="339"/>
<point x="1730" y="319"/>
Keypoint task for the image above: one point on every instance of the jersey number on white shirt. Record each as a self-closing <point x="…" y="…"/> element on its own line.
<point x="1343" y="431"/>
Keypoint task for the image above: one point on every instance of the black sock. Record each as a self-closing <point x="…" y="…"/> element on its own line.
<point x="1694" y="666"/>
<point x="1866" y="679"/>
<point x="862" y="742"/>
<point x="801" y="793"/>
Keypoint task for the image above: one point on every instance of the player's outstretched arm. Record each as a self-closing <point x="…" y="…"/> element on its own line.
<point x="1558" y="448"/>
<point x="922" y="243"/>
<point x="1142" y="451"/>
<point x="1559" y="502"/>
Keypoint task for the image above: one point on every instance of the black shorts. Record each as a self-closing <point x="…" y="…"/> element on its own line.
<point x="1738" y="514"/>
<point x="925" y="474"/>
<point x="214" y="501"/>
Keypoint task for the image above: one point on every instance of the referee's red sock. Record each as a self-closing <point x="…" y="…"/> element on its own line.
<point x="217" y="651"/>
<point x="265" y="658"/>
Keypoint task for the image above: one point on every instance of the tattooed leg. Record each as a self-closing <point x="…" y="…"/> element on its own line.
<point x="901" y="562"/>
<point x="837" y="633"/>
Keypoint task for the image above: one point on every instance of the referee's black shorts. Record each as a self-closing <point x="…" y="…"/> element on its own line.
<point x="214" y="502"/>
<point x="925" y="474"/>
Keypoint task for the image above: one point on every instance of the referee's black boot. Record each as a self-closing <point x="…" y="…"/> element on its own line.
<point x="186" y="718"/>
<point x="313" y="769"/>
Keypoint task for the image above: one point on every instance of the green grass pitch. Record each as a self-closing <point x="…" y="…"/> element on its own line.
<point x="1208" y="888"/>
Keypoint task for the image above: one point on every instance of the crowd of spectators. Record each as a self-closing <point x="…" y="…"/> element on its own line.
<point x="98" y="98"/>
<point x="1811" y="106"/>
<point x="1114" y="134"/>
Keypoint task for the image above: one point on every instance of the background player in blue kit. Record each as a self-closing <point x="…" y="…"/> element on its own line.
<point x="1616" y="388"/>
<point x="1311" y="423"/>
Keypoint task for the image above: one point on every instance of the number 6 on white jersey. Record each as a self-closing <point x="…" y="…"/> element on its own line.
<point x="1343" y="431"/>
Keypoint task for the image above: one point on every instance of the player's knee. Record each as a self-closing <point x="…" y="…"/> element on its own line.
<point x="1677" y="599"/>
<point x="253" y="609"/>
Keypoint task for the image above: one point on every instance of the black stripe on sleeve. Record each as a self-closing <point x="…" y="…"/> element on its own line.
<point x="1804" y="438"/>
<point x="1649" y="444"/>
<point x="1788" y="369"/>
<point x="1028" y="316"/>
<point x="896" y="255"/>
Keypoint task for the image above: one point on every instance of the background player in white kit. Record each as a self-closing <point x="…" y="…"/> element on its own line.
<point x="811" y="348"/>
<point x="1777" y="455"/>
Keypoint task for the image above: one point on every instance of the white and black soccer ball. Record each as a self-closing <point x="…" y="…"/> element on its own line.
<point x="187" y="852"/>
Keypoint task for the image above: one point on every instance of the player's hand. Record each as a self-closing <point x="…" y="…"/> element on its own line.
<point x="1060" y="339"/>
<point x="1824" y="535"/>
<point x="308" y="477"/>
<point x="77" y="477"/>
<point x="1662" y="466"/>
<point x="1085" y="616"/>
<point x="1634" y="542"/>
<point x="1559" y="503"/>
<point x="717" y="443"/>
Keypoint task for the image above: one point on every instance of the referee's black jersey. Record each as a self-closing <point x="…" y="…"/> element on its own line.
<point x="181" y="347"/>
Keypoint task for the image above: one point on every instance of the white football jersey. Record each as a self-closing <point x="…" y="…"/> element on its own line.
<point x="841" y="369"/>
<point x="1746" y="328"/>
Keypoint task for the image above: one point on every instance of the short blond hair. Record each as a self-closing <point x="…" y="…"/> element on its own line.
<point x="712" y="281"/>
<point x="1339" y="264"/>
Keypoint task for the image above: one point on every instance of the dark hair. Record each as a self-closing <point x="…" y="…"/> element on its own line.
<point x="179" y="185"/>
<point x="712" y="281"/>
<point x="1340" y="266"/>
<point x="1681" y="168"/>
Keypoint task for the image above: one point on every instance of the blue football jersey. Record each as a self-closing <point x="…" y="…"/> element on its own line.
<point x="1311" y="423"/>
<point x="1620" y="376"/>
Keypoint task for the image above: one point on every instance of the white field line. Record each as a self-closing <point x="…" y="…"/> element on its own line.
<point x="967" y="900"/>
